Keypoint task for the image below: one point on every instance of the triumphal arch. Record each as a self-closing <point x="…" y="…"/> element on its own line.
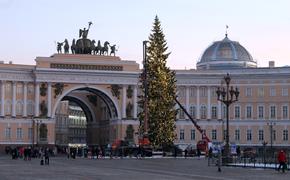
<point x="102" y="84"/>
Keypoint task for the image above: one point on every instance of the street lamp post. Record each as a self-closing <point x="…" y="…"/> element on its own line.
<point x="145" y="64"/>
<point x="271" y="124"/>
<point x="227" y="95"/>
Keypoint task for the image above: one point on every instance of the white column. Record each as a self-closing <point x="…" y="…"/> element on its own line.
<point x="219" y="110"/>
<point x="13" y="99"/>
<point x="25" y="99"/>
<point x="2" y="98"/>
<point x="208" y="103"/>
<point x="36" y="100"/>
<point x="197" y="103"/>
<point x="124" y="100"/>
<point x="187" y="99"/>
<point x="49" y="99"/>
<point x="135" y="104"/>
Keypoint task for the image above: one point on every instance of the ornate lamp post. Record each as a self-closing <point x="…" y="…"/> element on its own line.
<point x="227" y="95"/>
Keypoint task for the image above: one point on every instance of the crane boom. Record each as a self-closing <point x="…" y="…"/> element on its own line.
<point x="193" y="121"/>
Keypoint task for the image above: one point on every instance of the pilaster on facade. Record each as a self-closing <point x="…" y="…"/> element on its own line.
<point x="14" y="99"/>
<point x="2" y="98"/>
<point x="36" y="100"/>
<point x="135" y="103"/>
<point x="124" y="101"/>
<point x="49" y="99"/>
<point x="219" y="110"/>
<point x="197" y="103"/>
<point x="208" y="103"/>
<point x="187" y="99"/>
<point x="25" y="99"/>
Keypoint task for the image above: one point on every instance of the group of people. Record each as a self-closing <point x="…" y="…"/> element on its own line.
<point x="28" y="152"/>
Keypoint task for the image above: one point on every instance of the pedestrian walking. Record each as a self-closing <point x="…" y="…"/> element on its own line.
<point x="209" y="156"/>
<point x="46" y="156"/>
<point x="198" y="153"/>
<point x="185" y="153"/>
<point x="282" y="161"/>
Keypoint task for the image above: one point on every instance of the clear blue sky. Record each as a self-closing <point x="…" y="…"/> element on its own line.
<point x="29" y="28"/>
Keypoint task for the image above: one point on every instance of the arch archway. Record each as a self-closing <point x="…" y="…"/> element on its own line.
<point x="100" y="91"/>
<point x="99" y="108"/>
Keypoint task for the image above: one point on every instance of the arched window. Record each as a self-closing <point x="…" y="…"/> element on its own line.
<point x="30" y="107"/>
<point x="7" y="107"/>
<point x="19" y="108"/>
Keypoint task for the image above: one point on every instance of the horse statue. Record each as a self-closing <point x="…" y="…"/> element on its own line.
<point x="113" y="50"/>
<point x="105" y="48"/>
<point x="98" y="48"/>
<point x="66" y="46"/>
<point x="93" y="47"/>
<point x="73" y="47"/>
<point x="59" y="47"/>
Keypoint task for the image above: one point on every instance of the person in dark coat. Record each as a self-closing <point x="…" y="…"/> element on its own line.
<point x="46" y="156"/>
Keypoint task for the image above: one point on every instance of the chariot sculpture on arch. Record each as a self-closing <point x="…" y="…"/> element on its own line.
<point x="83" y="45"/>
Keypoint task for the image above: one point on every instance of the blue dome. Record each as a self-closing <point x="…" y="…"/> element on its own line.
<point x="226" y="54"/>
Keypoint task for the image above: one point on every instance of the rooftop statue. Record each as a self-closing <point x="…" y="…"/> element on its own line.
<point x="84" y="33"/>
<point x="83" y="45"/>
<point x="59" y="47"/>
<point x="66" y="46"/>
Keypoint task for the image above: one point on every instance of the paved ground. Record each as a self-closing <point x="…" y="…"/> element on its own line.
<point x="61" y="168"/>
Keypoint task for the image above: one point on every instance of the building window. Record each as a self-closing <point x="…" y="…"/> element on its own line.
<point x="261" y="135"/>
<point x="181" y="114"/>
<point x="8" y="133"/>
<point x="272" y="91"/>
<point x="19" y="107"/>
<point x="30" y="133"/>
<point x="285" y="112"/>
<point x="260" y="112"/>
<point x="8" y="88"/>
<point x="181" y="92"/>
<point x="8" y="107"/>
<point x="274" y="134"/>
<point x="19" y="134"/>
<point x="237" y="112"/>
<point x="214" y="112"/>
<point x="30" y="89"/>
<point x="285" y="135"/>
<point x="248" y="92"/>
<point x="272" y="112"/>
<point x="203" y="112"/>
<point x="30" y="107"/>
<point x="192" y="92"/>
<point x="192" y="111"/>
<point x="249" y="112"/>
<point x="19" y="89"/>
<point x="249" y="135"/>
<point x="261" y="92"/>
<point x="213" y="92"/>
<point x="284" y="91"/>
<point x="224" y="111"/>
<point x="203" y="91"/>
<point x="181" y="134"/>
<point x="192" y="134"/>
<point x="237" y="134"/>
<point x="213" y="134"/>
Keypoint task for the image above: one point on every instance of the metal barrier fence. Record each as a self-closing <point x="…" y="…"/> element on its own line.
<point x="254" y="162"/>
